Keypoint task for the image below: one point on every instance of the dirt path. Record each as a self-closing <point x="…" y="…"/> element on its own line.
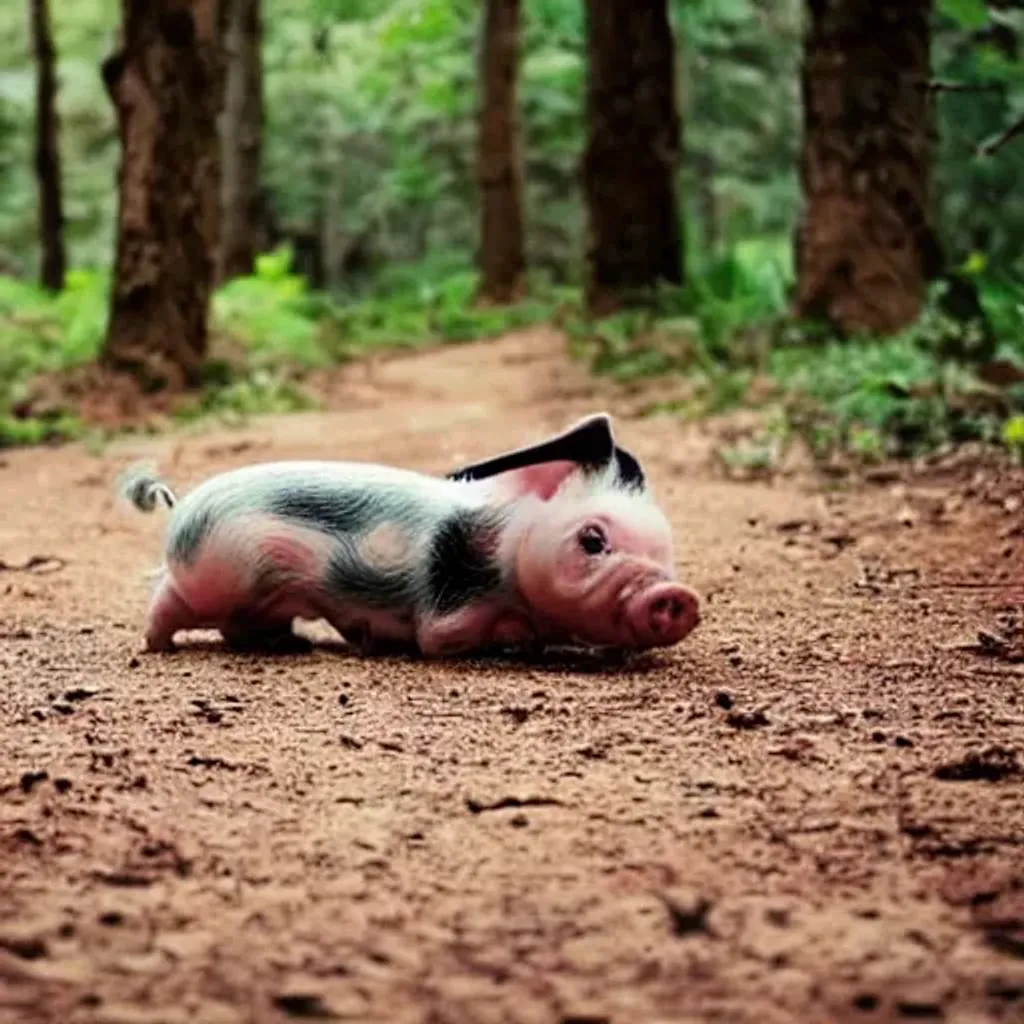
<point x="810" y="811"/>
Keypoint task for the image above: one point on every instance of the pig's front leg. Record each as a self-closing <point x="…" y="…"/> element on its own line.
<point x="478" y="627"/>
<point x="360" y="635"/>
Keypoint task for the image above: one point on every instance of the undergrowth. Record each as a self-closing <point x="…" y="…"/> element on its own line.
<point x="272" y="327"/>
<point x="945" y="380"/>
<point x="726" y="335"/>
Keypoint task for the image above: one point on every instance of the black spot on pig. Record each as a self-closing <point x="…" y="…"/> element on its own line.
<point x="354" y="581"/>
<point x="334" y="510"/>
<point x="189" y="534"/>
<point x="460" y="569"/>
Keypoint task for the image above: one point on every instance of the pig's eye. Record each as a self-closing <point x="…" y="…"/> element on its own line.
<point x="592" y="540"/>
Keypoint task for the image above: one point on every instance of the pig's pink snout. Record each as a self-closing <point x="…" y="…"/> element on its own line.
<point x="664" y="614"/>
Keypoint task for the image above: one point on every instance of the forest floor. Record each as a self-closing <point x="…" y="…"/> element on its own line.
<point x="811" y="810"/>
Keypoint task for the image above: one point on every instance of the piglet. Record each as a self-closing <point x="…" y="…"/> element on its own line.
<point x="556" y="543"/>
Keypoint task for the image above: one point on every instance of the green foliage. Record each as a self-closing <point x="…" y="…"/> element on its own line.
<point x="705" y="324"/>
<point x="233" y="397"/>
<point x="371" y="129"/>
<point x="968" y="14"/>
<point x="370" y="161"/>
<point x="981" y="206"/>
<point x="273" y="311"/>
<point x="84" y="34"/>
<point x="41" y="333"/>
<point x="1013" y="435"/>
<point x="381" y="160"/>
<point x="272" y="328"/>
<point x="874" y="399"/>
<point x="740" y="61"/>
<point x="728" y="335"/>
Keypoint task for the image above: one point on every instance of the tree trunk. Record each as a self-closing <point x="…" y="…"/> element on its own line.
<point x="47" y="151"/>
<point x="166" y="84"/>
<point x="502" y="227"/>
<point x="865" y="248"/>
<point x="241" y="140"/>
<point x="632" y="154"/>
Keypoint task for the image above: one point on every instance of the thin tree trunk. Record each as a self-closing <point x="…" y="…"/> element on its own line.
<point x="632" y="154"/>
<point x="502" y="221"/>
<point x="242" y="140"/>
<point x="166" y="84"/>
<point x="47" y="151"/>
<point x="865" y="248"/>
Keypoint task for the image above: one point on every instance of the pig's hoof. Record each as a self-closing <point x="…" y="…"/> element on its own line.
<point x="440" y="651"/>
<point x="160" y="645"/>
<point x="358" y="636"/>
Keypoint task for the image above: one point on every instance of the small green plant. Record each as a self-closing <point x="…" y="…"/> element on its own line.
<point x="948" y="378"/>
<point x="1012" y="436"/>
<point x="235" y="401"/>
<point x="42" y="333"/>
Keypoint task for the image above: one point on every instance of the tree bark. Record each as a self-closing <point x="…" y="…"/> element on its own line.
<point x="47" y="152"/>
<point x="632" y="154"/>
<point x="166" y="82"/>
<point x="242" y="140"/>
<point x="502" y="221"/>
<point x="865" y="248"/>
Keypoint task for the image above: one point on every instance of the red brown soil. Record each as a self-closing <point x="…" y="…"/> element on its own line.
<point x="812" y="810"/>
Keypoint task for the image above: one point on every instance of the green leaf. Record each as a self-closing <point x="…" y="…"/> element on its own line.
<point x="1013" y="432"/>
<point x="968" y="14"/>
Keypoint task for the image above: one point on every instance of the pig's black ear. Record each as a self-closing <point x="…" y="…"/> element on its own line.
<point x="631" y="474"/>
<point x="590" y="444"/>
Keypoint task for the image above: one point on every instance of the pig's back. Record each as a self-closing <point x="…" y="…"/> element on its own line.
<point x="336" y="498"/>
<point x="345" y="533"/>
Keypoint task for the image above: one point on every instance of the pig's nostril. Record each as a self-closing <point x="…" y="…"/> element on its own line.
<point x="665" y="611"/>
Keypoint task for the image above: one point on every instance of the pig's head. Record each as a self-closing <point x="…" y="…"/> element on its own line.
<point x="593" y="556"/>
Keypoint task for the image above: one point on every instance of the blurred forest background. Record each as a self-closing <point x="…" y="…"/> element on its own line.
<point x="363" y="226"/>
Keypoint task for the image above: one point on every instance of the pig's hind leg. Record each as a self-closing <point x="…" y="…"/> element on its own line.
<point x="265" y="627"/>
<point x="281" y="590"/>
<point x="168" y="614"/>
<point x="248" y="634"/>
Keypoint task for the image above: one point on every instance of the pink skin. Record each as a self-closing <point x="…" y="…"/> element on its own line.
<point x="216" y="594"/>
<point x="482" y="625"/>
<point x="264" y="627"/>
<point x="663" y="614"/>
<point x="168" y="613"/>
<point x="624" y="596"/>
<point x="211" y="594"/>
<point x="621" y="594"/>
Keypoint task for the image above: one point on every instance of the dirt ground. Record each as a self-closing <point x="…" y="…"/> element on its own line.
<point x="812" y="810"/>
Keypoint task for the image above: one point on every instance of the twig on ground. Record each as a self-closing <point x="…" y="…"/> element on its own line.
<point x="36" y="564"/>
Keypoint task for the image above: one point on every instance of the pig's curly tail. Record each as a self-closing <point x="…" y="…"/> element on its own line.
<point x="142" y="487"/>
